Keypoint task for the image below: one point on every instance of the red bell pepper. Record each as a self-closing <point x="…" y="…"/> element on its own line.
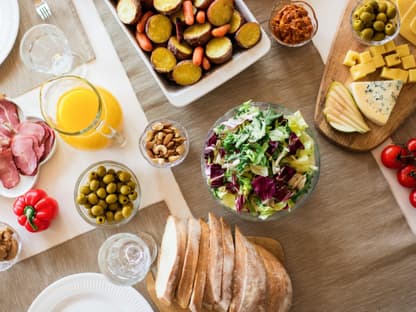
<point x="35" y="210"/>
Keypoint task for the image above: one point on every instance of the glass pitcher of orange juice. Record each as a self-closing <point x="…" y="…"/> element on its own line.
<point x="85" y="116"/>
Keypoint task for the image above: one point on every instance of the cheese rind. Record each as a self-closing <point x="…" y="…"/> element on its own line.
<point x="376" y="99"/>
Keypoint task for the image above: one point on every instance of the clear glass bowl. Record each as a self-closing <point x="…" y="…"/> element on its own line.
<point x="166" y="163"/>
<point x="83" y="180"/>
<point x="302" y="199"/>
<point x="278" y="5"/>
<point x="7" y="264"/>
<point x="395" y="20"/>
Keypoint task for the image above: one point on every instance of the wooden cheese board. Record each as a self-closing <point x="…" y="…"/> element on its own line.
<point x="271" y="245"/>
<point x="336" y="71"/>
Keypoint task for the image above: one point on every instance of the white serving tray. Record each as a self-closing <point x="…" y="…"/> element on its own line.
<point x="182" y="96"/>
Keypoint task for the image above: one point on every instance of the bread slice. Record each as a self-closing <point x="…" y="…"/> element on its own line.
<point x="197" y="296"/>
<point x="190" y="263"/>
<point x="227" y="268"/>
<point x="279" y="286"/>
<point x="249" y="279"/>
<point x="215" y="263"/>
<point x="171" y="257"/>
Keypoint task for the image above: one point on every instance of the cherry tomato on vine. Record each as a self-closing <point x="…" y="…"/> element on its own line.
<point x="407" y="176"/>
<point x="411" y="146"/>
<point x="392" y="156"/>
<point x="412" y="198"/>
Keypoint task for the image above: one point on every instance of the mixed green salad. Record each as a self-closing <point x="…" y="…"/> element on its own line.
<point x="260" y="161"/>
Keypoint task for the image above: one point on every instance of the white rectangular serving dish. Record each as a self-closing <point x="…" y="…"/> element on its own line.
<point x="181" y="96"/>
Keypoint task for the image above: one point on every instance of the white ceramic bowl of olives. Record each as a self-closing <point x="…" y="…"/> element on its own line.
<point x="375" y="22"/>
<point x="107" y="194"/>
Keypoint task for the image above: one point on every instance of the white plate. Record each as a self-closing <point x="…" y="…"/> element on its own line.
<point x="88" y="292"/>
<point x="9" y="26"/>
<point x="182" y="96"/>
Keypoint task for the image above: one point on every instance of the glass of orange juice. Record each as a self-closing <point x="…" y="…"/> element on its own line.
<point x="85" y="116"/>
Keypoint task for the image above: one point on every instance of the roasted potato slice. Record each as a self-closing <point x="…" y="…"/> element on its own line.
<point x="163" y="60"/>
<point x="236" y="21"/>
<point x="158" y="28"/>
<point x="219" y="50"/>
<point x="129" y="11"/>
<point x="179" y="14"/>
<point x="220" y="12"/>
<point x="181" y="50"/>
<point x="198" y="34"/>
<point x="186" y="73"/>
<point x="202" y="4"/>
<point x="167" y="6"/>
<point x="248" y="35"/>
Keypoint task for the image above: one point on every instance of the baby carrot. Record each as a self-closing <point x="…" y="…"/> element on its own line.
<point x="220" y="31"/>
<point x="143" y="20"/>
<point x="198" y="56"/>
<point x="188" y="12"/>
<point x="206" y="65"/>
<point x="200" y="17"/>
<point x="144" y="42"/>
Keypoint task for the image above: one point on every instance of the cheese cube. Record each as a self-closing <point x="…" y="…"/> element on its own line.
<point x="403" y="50"/>
<point x="412" y="75"/>
<point x="377" y="50"/>
<point x="351" y="58"/>
<point x="392" y="60"/>
<point x="394" y="74"/>
<point x="408" y="62"/>
<point x="364" y="57"/>
<point x="361" y="70"/>
<point x="379" y="61"/>
<point x="390" y="46"/>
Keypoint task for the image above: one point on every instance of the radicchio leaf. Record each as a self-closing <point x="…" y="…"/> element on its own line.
<point x="264" y="187"/>
<point x="233" y="186"/>
<point x="283" y="194"/>
<point x="212" y="140"/>
<point x="239" y="202"/>
<point x="285" y="174"/>
<point x="216" y="175"/>
<point x="272" y="147"/>
<point x="294" y="144"/>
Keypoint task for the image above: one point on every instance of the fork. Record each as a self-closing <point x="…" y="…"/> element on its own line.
<point x="42" y="8"/>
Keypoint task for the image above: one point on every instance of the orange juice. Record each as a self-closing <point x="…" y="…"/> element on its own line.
<point x="77" y="110"/>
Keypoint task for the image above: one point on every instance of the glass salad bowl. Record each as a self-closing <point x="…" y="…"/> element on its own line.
<point x="261" y="161"/>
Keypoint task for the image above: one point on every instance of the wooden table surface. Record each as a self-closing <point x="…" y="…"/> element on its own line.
<point x="348" y="248"/>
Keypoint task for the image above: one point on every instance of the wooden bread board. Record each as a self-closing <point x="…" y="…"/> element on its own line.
<point x="269" y="244"/>
<point x="336" y="71"/>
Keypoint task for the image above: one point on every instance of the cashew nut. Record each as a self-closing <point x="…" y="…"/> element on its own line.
<point x="159" y="150"/>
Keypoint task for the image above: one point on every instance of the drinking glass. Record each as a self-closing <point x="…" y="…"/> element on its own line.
<point x="85" y="116"/>
<point x="44" y="48"/>
<point x="125" y="259"/>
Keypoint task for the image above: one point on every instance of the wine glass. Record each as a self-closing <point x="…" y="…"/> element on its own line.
<point x="44" y="48"/>
<point x="125" y="258"/>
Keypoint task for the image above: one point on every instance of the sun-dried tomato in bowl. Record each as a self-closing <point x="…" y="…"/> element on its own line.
<point x="293" y="24"/>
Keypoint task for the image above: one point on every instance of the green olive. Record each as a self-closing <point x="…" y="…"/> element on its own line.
<point x="124" y="176"/>
<point x="391" y="12"/>
<point x="368" y="8"/>
<point x="102" y="203"/>
<point x="108" y="178"/>
<point x="101" y="193"/>
<point x="357" y="25"/>
<point x="356" y="14"/>
<point x="118" y="216"/>
<point x="111" y="198"/>
<point x="92" y="176"/>
<point x="125" y="190"/>
<point x="101" y="171"/>
<point x="366" y="17"/>
<point x="110" y="216"/>
<point x="367" y="34"/>
<point x="133" y="195"/>
<point x="389" y="29"/>
<point x="132" y="184"/>
<point x="378" y="36"/>
<point x="111" y="188"/>
<point x="97" y="210"/>
<point x="87" y="206"/>
<point x="381" y="17"/>
<point x="82" y="199"/>
<point x="111" y="171"/>
<point x="374" y="4"/>
<point x="100" y="220"/>
<point x="126" y="211"/>
<point x="85" y="189"/>
<point x="378" y="26"/>
<point x="94" y="185"/>
<point x="122" y="199"/>
<point x="382" y="6"/>
<point x="92" y="198"/>
<point x="113" y="206"/>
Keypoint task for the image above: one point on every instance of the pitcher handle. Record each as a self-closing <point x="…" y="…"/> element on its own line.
<point x="111" y="133"/>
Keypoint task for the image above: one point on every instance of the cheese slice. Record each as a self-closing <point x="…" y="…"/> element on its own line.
<point x="376" y="99"/>
<point x="408" y="24"/>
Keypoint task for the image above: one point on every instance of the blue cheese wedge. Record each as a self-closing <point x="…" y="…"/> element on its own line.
<point x="376" y="99"/>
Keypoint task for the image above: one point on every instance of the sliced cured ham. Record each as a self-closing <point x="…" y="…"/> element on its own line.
<point x="9" y="118"/>
<point x="48" y="140"/>
<point x="24" y="154"/>
<point x="9" y="175"/>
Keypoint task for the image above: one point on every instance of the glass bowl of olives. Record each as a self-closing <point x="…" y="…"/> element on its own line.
<point x="107" y="194"/>
<point x="375" y="22"/>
